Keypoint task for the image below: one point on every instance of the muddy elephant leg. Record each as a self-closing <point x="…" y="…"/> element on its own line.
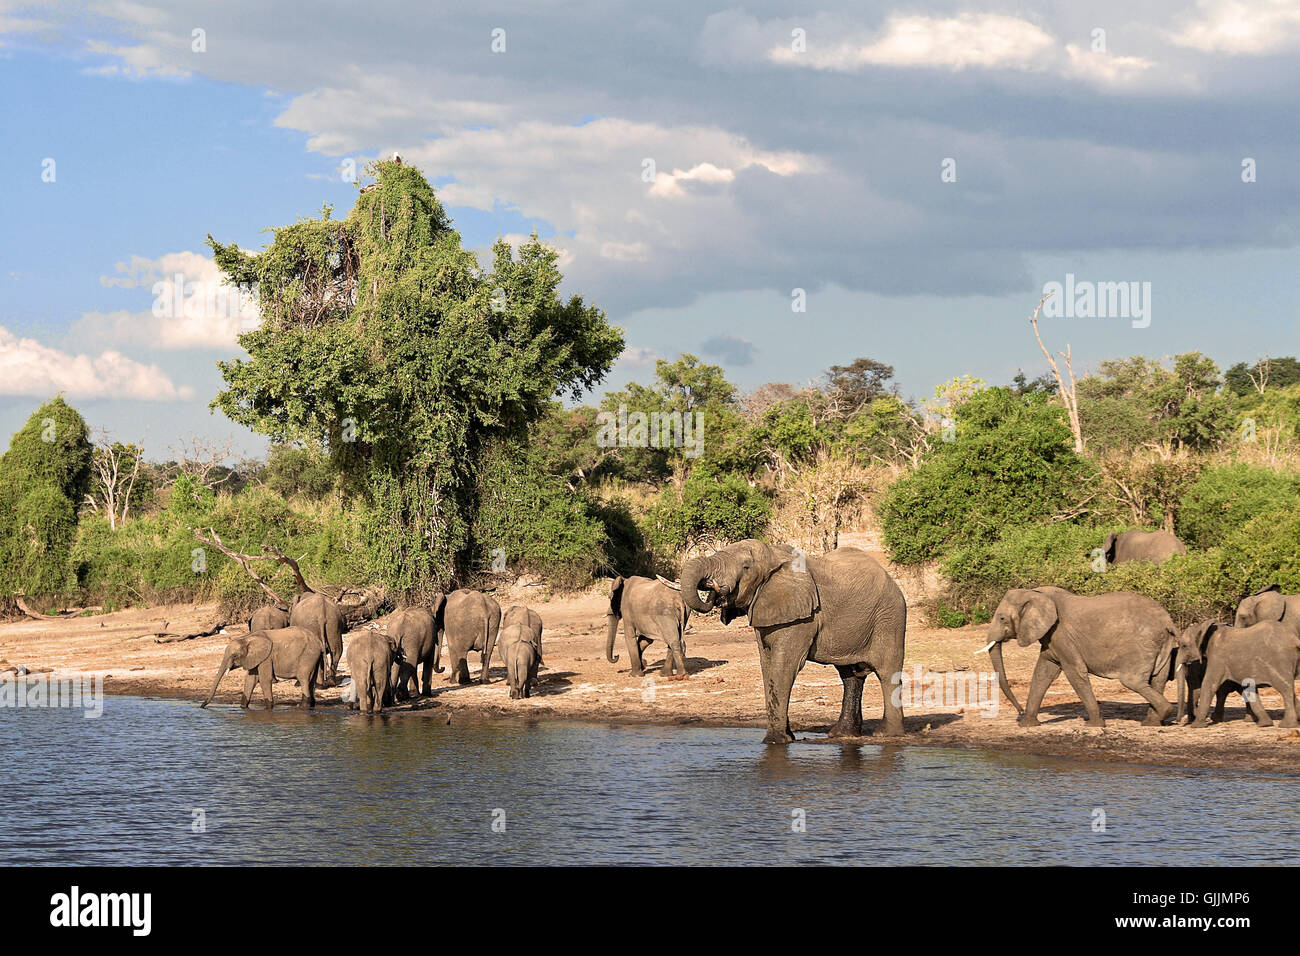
<point x="779" y="667"/>
<point x="1159" y="708"/>
<point x="1078" y="678"/>
<point x="1045" y="671"/>
<point x="850" y="722"/>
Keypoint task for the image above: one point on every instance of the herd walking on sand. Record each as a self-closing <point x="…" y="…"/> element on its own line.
<point x="840" y="608"/>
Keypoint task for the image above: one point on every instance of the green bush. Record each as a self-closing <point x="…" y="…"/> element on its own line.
<point x="1223" y="500"/>
<point x="718" y="507"/>
<point x="1010" y="464"/>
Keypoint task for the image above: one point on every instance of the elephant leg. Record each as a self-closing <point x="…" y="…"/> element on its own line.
<point x="267" y="693"/>
<point x="1045" y="671"/>
<point x="1258" y="712"/>
<point x="308" y="689"/>
<point x="850" y="722"/>
<point x="460" y="670"/>
<point x="779" y="667"/>
<point x="426" y="677"/>
<point x="250" y="683"/>
<point x="1220" y="699"/>
<point x="1078" y="678"/>
<point x="1159" y="709"/>
<point x="1285" y="687"/>
<point x="634" y="648"/>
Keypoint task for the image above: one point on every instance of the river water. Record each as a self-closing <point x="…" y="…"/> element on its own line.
<point x="163" y="782"/>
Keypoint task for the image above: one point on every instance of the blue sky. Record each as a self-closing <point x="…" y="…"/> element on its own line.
<point x="777" y="165"/>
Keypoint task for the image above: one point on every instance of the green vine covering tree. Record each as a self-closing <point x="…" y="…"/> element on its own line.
<point x="384" y="340"/>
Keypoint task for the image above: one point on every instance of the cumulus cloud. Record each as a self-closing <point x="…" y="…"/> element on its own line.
<point x="1242" y="27"/>
<point x="192" y="308"/>
<point x="29" y="368"/>
<point x="732" y="349"/>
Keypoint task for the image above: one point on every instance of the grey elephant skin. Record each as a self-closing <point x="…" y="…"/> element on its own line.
<point x="268" y="618"/>
<point x="268" y="656"/>
<point x="1265" y="655"/>
<point x="649" y="611"/>
<point x="521" y="659"/>
<point x="471" y="621"/>
<point x="1269" y="604"/>
<point x="1121" y="636"/>
<point x="1190" y="674"/>
<point x="531" y="622"/>
<point x="371" y="658"/>
<point x="417" y="631"/>
<point x="1152" y="546"/>
<point x="323" y="617"/>
<point x="840" y="608"/>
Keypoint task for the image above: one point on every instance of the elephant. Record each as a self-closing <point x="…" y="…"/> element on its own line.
<point x="471" y="620"/>
<point x="1262" y="655"/>
<point x="321" y="616"/>
<point x="1121" y="635"/>
<point x="268" y="656"/>
<point x="521" y="658"/>
<point x="650" y="610"/>
<point x="371" y="658"/>
<point x="532" y="622"/>
<point x="1153" y="546"/>
<point x="1269" y="604"/>
<point x="268" y="618"/>
<point x="417" y="631"/>
<point x="839" y="608"/>
<point x="1190" y="674"/>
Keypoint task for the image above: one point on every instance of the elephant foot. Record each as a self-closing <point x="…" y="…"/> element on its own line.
<point x="1153" y="720"/>
<point x="845" y="729"/>
<point x="888" y="730"/>
<point x="778" y="737"/>
<point x="1099" y="723"/>
<point x="1027" y="720"/>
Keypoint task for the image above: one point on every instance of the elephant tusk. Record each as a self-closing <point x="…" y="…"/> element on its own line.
<point x="672" y="584"/>
<point x="985" y="648"/>
<point x="1179" y="668"/>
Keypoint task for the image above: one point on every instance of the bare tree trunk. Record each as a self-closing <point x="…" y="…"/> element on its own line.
<point x="1068" y="392"/>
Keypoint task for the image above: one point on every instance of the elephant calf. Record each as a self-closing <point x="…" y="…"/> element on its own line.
<point x="268" y="618"/>
<point x="268" y="656"/>
<point x="649" y="611"/>
<point x="531" y="621"/>
<point x="1190" y="674"/>
<point x="370" y="659"/>
<point x="521" y="657"/>
<point x="1263" y="655"/>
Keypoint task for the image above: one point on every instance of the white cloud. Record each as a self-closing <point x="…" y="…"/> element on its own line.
<point x="192" y="307"/>
<point x="29" y="368"/>
<point x="1242" y="27"/>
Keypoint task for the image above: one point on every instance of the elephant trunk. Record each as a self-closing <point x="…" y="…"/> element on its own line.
<point x="221" y="672"/>
<point x="1180" y="675"/>
<point x="612" y="621"/>
<point x="694" y="572"/>
<point x="995" y="655"/>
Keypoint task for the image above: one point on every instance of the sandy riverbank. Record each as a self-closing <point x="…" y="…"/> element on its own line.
<point x="723" y="688"/>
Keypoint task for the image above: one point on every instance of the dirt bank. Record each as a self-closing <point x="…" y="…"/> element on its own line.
<point x="723" y="688"/>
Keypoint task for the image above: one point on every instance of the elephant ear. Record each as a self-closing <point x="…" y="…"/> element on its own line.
<point x="1037" y="617"/>
<point x="1270" y="605"/>
<point x="616" y="597"/>
<point x="786" y="596"/>
<point x="259" y="649"/>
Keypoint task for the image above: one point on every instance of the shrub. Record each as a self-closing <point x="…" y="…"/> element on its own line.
<point x="1223" y="500"/>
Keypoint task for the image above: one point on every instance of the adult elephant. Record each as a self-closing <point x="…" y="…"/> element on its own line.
<point x="323" y="617"/>
<point x="417" y="631"/>
<point x="1269" y="604"/>
<point x="268" y="618"/>
<point x="650" y="611"/>
<point x="471" y="621"/>
<point x="840" y="608"/>
<point x="1122" y="636"/>
<point x="1153" y="546"/>
<point x="268" y="656"/>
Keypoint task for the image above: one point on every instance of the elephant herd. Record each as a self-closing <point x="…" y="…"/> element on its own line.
<point x="305" y="643"/>
<point x="840" y="608"/>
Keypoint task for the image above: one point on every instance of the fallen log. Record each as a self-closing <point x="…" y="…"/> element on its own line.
<point x="167" y="637"/>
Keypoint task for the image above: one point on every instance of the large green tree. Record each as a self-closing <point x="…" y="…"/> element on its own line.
<point x="44" y="476"/>
<point x="384" y="340"/>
